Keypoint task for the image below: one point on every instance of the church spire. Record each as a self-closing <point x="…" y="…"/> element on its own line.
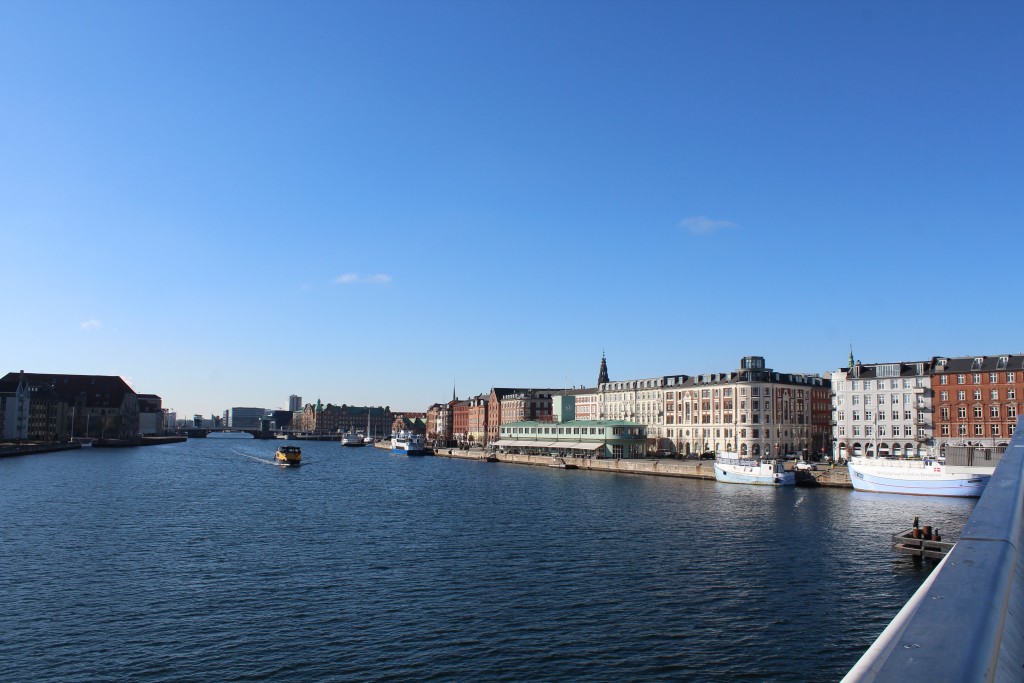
<point x="851" y="355"/>
<point x="602" y="376"/>
<point x="453" y="392"/>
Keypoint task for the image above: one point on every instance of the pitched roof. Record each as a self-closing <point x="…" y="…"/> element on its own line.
<point x="94" y="390"/>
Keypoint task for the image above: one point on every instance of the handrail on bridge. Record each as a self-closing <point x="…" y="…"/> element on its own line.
<point x="966" y="621"/>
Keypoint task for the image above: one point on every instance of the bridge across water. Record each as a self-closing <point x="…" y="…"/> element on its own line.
<point x="966" y="622"/>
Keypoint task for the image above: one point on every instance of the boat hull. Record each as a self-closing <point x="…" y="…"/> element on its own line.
<point x="757" y="475"/>
<point x="918" y="481"/>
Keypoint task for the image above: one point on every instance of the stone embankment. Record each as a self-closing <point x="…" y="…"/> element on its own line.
<point x="688" y="469"/>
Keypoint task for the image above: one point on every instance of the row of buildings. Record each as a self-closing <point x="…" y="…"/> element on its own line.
<point x="58" y="407"/>
<point x="905" y="409"/>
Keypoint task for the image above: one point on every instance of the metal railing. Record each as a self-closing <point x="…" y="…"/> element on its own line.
<point x="966" y="621"/>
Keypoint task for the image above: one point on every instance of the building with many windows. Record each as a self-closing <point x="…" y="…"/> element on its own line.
<point x="507" y="405"/>
<point x="975" y="399"/>
<point x="476" y="427"/>
<point x="882" y="409"/>
<point x="753" y="411"/>
<point x="575" y="438"/>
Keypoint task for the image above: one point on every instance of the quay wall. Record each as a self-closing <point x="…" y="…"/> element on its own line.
<point x="10" y="450"/>
<point x="688" y="469"/>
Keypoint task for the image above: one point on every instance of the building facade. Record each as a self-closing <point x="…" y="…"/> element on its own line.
<point x="975" y="399"/>
<point x="99" y="406"/>
<point x="521" y="404"/>
<point x="882" y="410"/>
<point x="753" y="411"/>
<point x="294" y="403"/>
<point x="246" y="418"/>
<point x="320" y="418"/>
<point x="574" y="439"/>
<point x="476" y="426"/>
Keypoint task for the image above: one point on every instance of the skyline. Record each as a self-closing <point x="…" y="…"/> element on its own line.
<point x="368" y="203"/>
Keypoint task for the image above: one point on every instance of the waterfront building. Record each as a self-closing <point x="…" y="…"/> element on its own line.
<point x="328" y="418"/>
<point x="14" y="409"/>
<point x="640" y="400"/>
<point x="975" y="399"/>
<point x="99" y="405"/>
<point x="151" y="414"/>
<point x="754" y="411"/>
<point x="882" y="409"/>
<point x="439" y="422"/>
<point x="460" y="421"/>
<point x="575" y="438"/>
<point x="476" y="426"/>
<point x="246" y="418"/>
<point x="294" y="403"/>
<point x="508" y="405"/>
<point x="409" y="422"/>
<point x="586" y="402"/>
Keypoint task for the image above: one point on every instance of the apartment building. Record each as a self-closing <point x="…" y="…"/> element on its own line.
<point x="975" y="399"/>
<point x="882" y="409"/>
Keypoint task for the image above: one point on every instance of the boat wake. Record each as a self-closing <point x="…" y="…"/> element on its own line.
<point x="256" y="458"/>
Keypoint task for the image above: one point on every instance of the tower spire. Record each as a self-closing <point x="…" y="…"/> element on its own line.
<point x="851" y="355"/>
<point x="453" y="392"/>
<point x="602" y="375"/>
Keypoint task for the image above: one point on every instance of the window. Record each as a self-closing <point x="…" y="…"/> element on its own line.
<point x="907" y="415"/>
<point x="977" y="394"/>
<point x="945" y="412"/>
<point x="856" y="400"/>
<point x="977" y="412"/>
<point x="943" y="379"/>
<point x="1011" y="411"/>
<point x="617" y="451"/>
<point x="895" y="399"/>
<point x="895" y="414"/>
<point x="1011" y="394"/>
<point x="881" y="399"/>
<point x="945" y="430"/>
<point x="856" y="416"/>
<point x="944" y="395"/>
<point x="840" y="416"/>
<point x="881" y="430"/>
<point x="961" y="430"/>
<point x="842" y="430"/>
<point x="961" y="395"/>
<point x="993" y="378"/>
<point x="994" y="431"/>
<point x="856" y="430"/>
<point x="1010" y="377"/>
<point x="979" y="430"/>
<point x="961" y="412"/>
<point x="853" y="385"/>
<point x="960" y="379"/>
<point x="868" y="430"/>
<point x="908" y="430"/>
<point x="868" y="415"/>
<point x="993" y="395"/>
<point x="976" y="377"/>
<point x="1009" y="429"/>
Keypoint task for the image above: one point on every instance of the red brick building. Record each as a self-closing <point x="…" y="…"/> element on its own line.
<point x="975" y="399"/>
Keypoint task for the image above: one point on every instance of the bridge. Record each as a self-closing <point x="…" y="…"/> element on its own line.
<point x="966" y="621"/>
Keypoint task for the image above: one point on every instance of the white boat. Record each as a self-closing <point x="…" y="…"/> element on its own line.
<point x="732" y="469"/>
<point x="83" y="441"/>
<point x="409" y="443"/>
<point x="352" y="439"/>
<point x="925" y="477"/>
<point x="228" y="434"/>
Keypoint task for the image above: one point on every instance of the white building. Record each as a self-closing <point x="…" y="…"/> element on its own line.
<point x="882" y="409"/>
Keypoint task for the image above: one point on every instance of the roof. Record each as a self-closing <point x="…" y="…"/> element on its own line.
<point x="93" y="390"/>
<point x="966" y="364"/>
<point x="576" y="423"/>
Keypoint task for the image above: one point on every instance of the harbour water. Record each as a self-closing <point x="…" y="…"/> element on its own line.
<point x="205" y="561"/>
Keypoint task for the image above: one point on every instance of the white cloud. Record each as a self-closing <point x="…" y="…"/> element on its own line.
<point x="702" y="225"/>
<point x="351" y="278"/>
<point x="90" y="325"/>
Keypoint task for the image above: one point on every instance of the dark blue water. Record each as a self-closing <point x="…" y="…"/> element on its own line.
<point x="203" y="562"/>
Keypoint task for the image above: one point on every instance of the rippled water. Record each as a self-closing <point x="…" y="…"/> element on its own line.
<point x="204" y="561"/>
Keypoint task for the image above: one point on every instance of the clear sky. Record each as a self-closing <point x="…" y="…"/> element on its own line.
<point x="366" y="202"/>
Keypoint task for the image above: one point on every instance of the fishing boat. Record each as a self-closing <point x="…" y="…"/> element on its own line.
<point x="925" y="477"/>
<point x="409" y="443"/>
<point x="732" y="469"/>
<point x="289" y="455"/>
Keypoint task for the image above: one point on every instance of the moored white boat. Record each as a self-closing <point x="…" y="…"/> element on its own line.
<point x="732" y="469"/>
<point x="409" y="443"/>
<point x="925" y="477"/>
<point x="228" y="434"/>
<point x="352" y="439"/>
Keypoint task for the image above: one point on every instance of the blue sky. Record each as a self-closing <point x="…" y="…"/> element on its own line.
<point x="366" y="202"/>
